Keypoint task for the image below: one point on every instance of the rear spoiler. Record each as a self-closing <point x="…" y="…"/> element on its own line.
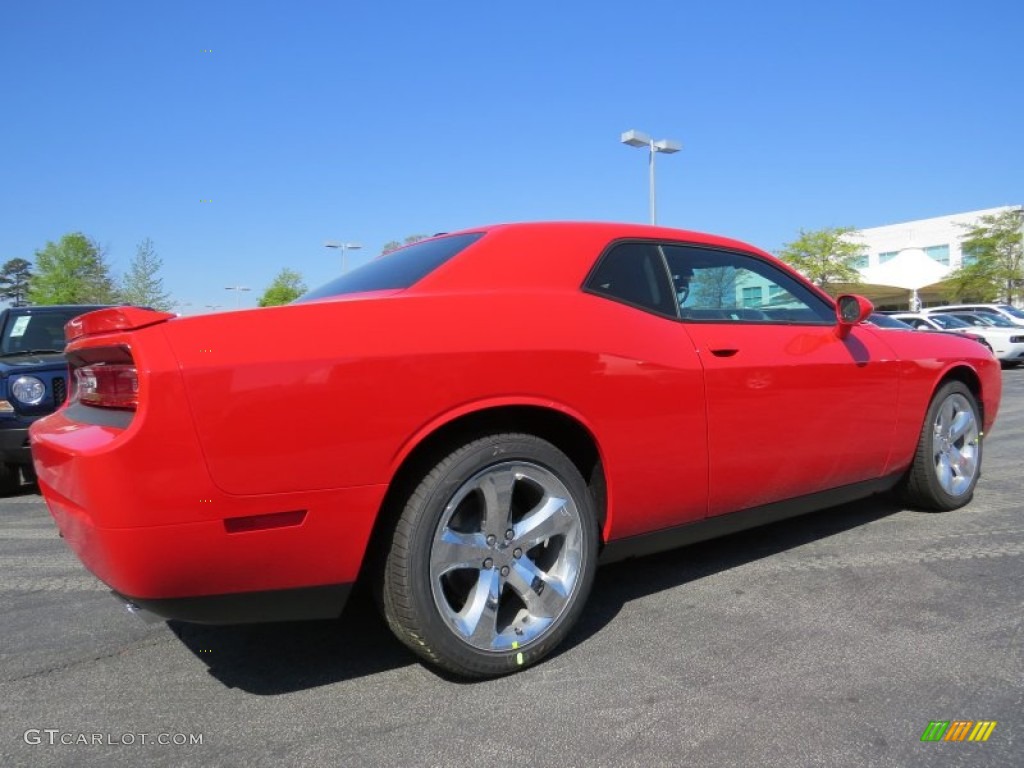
<point x="113" y="319"/>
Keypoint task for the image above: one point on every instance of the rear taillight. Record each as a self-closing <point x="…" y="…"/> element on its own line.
<point x="107" y="385"/>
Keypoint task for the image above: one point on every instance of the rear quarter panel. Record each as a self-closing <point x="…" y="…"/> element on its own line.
<point x="334" y="394"/>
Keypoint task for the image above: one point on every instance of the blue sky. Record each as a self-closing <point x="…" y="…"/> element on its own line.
<point x="368" y="122"/>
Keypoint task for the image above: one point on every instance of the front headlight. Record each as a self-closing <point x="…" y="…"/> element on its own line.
<point x="28" y="390"/>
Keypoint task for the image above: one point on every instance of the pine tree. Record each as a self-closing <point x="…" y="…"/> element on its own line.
<point x="141" y="286"/>
<point x="15" y="276"/>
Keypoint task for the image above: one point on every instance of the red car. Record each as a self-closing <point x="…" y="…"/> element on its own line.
<point x="474" y="422"/>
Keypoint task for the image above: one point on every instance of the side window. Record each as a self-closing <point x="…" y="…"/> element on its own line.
<point x="635" y="274"/>
<point x="725" y="286"/>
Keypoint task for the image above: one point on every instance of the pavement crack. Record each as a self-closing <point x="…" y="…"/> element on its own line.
<point x="48" y="670"/>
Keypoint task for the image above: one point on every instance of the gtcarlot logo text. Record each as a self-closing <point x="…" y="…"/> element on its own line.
<point x="54" y="736"/>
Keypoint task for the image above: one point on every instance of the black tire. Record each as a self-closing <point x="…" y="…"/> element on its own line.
<point x="489" y="615"/>
<point x="947" y="463"/>
<point x="10" y="479"/>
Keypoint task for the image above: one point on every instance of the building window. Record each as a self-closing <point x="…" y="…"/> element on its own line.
<point x="938" y="252"/>
<point x="887" y="256"/>
<point x="862" y="261"/>
<point x="752" y="296"/>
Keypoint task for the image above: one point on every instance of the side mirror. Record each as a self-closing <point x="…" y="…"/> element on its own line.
<point x="850" y="310"/>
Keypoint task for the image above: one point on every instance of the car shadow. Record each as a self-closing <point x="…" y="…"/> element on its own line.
<point x="274" y="659"/>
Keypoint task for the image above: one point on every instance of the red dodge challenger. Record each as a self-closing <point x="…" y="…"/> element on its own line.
<point x="474" y="422"/>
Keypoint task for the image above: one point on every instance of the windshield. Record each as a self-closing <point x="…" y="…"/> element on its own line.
<point x="884" y="321"/>
<point x="35" y="332"/>
<point x="1013" y="311"/>
<point x="948" y="321"/>
<point x="990" y="319"/>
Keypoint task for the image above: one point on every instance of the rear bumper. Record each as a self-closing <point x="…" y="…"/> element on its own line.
<point x="223" y="570"/>
<point x="323" y="602"/>
<point x="131" y="492"/>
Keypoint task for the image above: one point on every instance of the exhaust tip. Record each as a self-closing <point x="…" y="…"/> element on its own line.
<point x="137" y="610"/>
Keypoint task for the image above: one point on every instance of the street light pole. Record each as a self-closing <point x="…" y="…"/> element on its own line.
<point x="343" y="247"/>
<point x="665" y="146"/>
<point x="238" y="293"/>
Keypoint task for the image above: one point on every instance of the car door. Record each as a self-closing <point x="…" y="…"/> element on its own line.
<point x="792" y="408"/>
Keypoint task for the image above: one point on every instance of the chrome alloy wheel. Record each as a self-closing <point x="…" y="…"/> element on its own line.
<point x="955" y="445"/>
<point x="506" y="557"/>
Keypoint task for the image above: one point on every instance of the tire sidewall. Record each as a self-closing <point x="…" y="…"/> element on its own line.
<point x="943" y="499"/>
<point x="474" y="458"/>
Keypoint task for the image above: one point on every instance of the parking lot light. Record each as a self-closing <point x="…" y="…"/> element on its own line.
<point x="638" y="139"/>
<point x="344" y="248"/>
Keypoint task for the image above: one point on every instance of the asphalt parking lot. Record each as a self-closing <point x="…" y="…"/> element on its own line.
<point x="832" y="639"/>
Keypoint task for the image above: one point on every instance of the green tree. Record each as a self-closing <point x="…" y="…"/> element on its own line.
<point x="993" y="265"/>
<point x="825" y="256"/>
<point x="140" y="285"/>
<point x="285" y="288"/>
<point x="73" y="270"/>
<point x="15" y="276"/>
<point x="715" y="288"/>
<point x="394" y="245"/>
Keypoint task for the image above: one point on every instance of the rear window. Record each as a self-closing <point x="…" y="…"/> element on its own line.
<point x="400" y="269"/>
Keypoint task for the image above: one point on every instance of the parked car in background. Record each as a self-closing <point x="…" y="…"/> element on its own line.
<point x="512" y="405"/>
<point x="888" y="321"/>
<point x="1007" y="343"/>
<point x="33" y="379"/>
<point x="982" y="319"/>
<point x="883" y="320"/>
<point x="1011" y="313"/>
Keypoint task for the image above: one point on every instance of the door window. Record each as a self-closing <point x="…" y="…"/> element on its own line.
<point x="723" y="286"/>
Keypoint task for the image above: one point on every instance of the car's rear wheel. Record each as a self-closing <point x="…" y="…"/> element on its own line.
<point x="493" y="556"/>
<point x="947" y="463"/>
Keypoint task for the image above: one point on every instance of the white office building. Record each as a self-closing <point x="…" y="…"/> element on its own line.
<point x="905" y="264"/>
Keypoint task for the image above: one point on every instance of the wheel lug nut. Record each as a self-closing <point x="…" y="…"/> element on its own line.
<point x="488" y="563"/>
<point x="517" y="553"/>
<point x="510" y="534"/>
<point x="504" y="570"/>
<point x="491" y="540"/>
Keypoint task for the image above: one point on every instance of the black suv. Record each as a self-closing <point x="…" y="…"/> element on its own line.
<point x="33" y="379"/>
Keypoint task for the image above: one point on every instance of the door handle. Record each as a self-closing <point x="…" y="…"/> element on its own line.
<point x="723" y="351"/>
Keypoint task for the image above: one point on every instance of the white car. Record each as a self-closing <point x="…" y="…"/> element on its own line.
<point x="1014" y="315"/>
<point x="982" y="319"/>
<point x="1007" y="343"/>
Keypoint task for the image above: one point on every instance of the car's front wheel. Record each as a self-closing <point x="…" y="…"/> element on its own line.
<point x="947" y="463"/>
<point x="493" y="556"/>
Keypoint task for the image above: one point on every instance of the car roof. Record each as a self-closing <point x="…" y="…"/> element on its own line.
<point x="512" y="251"/>
<point x="963" y="307"/>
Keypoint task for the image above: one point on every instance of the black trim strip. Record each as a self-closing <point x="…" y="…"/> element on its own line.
<point x="323" y="602"/>
<point x="723" y="525"/>
<point x="103" y="417"/>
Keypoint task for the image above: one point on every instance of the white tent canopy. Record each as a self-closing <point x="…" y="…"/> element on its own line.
<point x="911" y="269"/>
